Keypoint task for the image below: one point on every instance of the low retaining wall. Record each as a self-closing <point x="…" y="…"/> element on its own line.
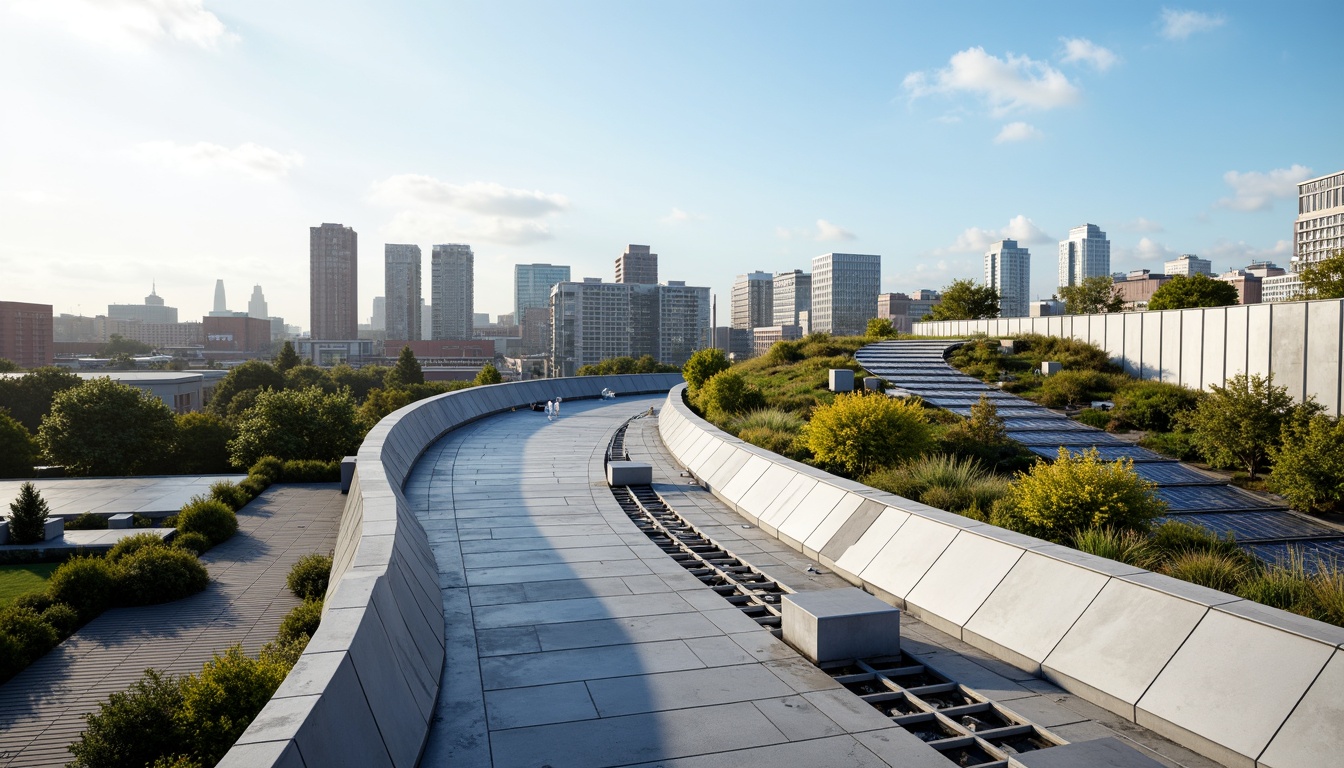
<point x="1300" y="342"/>
<point x="364" y="690"/>
<point x="1239" y="682"/>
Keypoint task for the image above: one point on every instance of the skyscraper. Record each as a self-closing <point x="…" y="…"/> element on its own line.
<point x="793" y="294"/>
<point x="753" y="301"/>
<point x="1008" y="271"/>
<point x="1317" y="233"/>
<point x="1087" y="253"/>
<point x="451" y="293"/>
<point x="401" y="288"/>
<point x="220" y="304"/>
<point x="595" y="321"/>
<point x="256" y="306"/>
<point x="637" y="265"/>
<point x="532" y="284"/>
<point x="844" y="292"/>
<point x="379" y="318"/>
<point x="333" y="282"/>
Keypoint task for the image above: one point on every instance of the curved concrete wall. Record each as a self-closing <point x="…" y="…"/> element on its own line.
<point x="1300" y="342"/>
<point x="364" y="690"/>
<point x="1242" y="683"/>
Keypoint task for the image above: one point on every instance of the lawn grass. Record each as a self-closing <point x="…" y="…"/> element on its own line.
<point x="16" y="580"/>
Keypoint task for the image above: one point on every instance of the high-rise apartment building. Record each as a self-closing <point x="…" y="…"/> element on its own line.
<point x="152" y="311"/>
<point x="637" y="265"/>
<point x="333" y="282"/>
<point x="26" y="336"/>
<point x="1187" y="264"/>
<point x="379" y="318"/>
<point x="452" y="288"/>
<point x="532" y="284"/>
<point x="1008" y="271"/>
<point x="401" y="289"/>
<point x="753" y="301"/>
<point x="256" y="306"/>
<point x="1087" y="253"/>
<point x="592" y="321"/>
<point x="793" y="295"/>
<point x="1319" y="230"/>
<point x="844" y="292"/>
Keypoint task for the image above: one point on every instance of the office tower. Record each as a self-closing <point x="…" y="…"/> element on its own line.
<point x="844" y="292"/>
<point x="220" y="304"/>
<point x="1087" y="253"/>
<point x="1188" y="264"/>
<point x="26" y="334"/>
<point x="637" y="265"/>
<point x="256" y="306"/>
<point x="426" y="321"/>
<point x="451" y="292"/>
<point x="922" y="303"/>
<point x="379" y="318"/>
<point x="793" y="294"/>
<point x="532" y="284"/>
<point x="333" y="282"/>
<point x="593" y="321"/>
<point x="401" y="290"/>
<point x="1318" y="232"/>
<point x="152" y="311"/>
<point x="753" y="301"/>
<point x="1008" y="271"/>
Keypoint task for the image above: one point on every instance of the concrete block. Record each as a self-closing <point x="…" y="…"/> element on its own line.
<point x="4" y="531"/>
<point x="53" y="529"/>
<point x="1323" y="350"/>
<point x="1171" y="352"/>
<point x="1050" y="368"/>
<point x="872" y="383"/>
<point x="1236" y="339"/>
<point x="1288" y="345"/>
<point x="1214" y="345"/>
<point x="1261" y="319"/>
<point x="629" y="473"/>
<point x="124" y="520"/>
<point x="1150" y="355"/>
<point x="834" y="624"/>
<point x="1109" y="752"/>
<point x="842" y="380"/>
<point x="1192" y="348"/>
<point x="347" y="473"/>
<point x="1008" y="346"/>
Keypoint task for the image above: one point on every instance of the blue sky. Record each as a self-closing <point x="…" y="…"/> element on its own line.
<point x="181" y="141"/>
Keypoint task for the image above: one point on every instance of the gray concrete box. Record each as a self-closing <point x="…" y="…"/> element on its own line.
<point x="123" y="520"/>
<point x="629" y="473"/>
<point x="4" y="531"/>
<point x="835" y="624"/>
<point x="1050" y="368"/>
<point x="53" y="529"/>
<point x="347" y="473"/>
<point x="842" y="380"/>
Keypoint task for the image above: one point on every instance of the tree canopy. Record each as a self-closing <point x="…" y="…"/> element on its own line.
<point x="106" y="428"/>
<point x="1184" y="292"/>
<point x="1324" y="279"/>
<point x="488" y="374"/>
<point x="881" y="328"/>
<point x="1093" y="296"/>
<point x="19" y="454"/>
<point x="296" y="424"/>
<point x="287" y="358"/>
<point x="702" y="366"/>
<point x="967" y="300"/>
<point x="406" y="372"/>
<point x="28" y="397"/>
<point x="252" y="375"/>
<point x="118" y="344"/>
<point x="1239" y="423"/>
<point x="623" y="365"/>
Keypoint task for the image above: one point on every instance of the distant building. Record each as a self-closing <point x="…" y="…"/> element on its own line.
<point x="637" y="265"/>
<point x="1248" y="285"/>
<point x="792" y="294"/>
<point x="1138" y="286"/>
<point x="426" y="321"/>
<point x="452" y="291"/>
<point x="333" y="282"/>
<point x="401" y="289"/>
<point x="256" y="306"/>
<point x="844" y="292"/>
<point x="442" y="350"/>
<point x="1318" y="232"/>
<point x="532" y="284"/>
<point x="1045" y="308"/>
<point x="379" y="317"/>
<point x="26" y="337"/>
<point x="152" y="311"/>
<point x="221" y="306"/>
<point x="753" y="301"/>
<point x="1286" y="286"/>
<point x="330" y="352"/>
<point x="245" y="335"/>
<point x="1087" y="253"/>
<point x="893" y="305"/>
<point x="923" y="302"/>
<point x="1008" y="271"/>
<point x="1189" y="265"/>
<point x="763" y="339"/>
<point x="592" y="321"/>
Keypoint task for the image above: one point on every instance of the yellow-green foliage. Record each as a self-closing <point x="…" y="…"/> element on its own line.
<point x="220" y="702"/>
<point x="727" y="394"/>
<point x="1057" y="499"/>
<point x="772" y="429"/>
<point x="856" y="433"/>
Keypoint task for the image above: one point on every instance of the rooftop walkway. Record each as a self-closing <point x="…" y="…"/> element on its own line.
<point x="572" y="640"/>
<point x="42" y="708"/>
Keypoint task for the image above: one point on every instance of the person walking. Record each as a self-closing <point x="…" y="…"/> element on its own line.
<point x="557" y="407"/>
<point x="550" y="411"/>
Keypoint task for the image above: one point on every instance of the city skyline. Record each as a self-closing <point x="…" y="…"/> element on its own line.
<point x="185" y="141"/>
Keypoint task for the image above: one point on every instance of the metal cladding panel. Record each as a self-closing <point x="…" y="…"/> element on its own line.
<point x="1192" y="348"/>
<point x="1133" y="362"/>
<point x="1324" y="336"/>
<point x="1150" y="330"/>
<point x="1215" y="347"/>
<point x="1259" y="338"/>
<point x="1288" y="346"/>
<point x="1173" y="323"/>
<point x="1234" y="360"/>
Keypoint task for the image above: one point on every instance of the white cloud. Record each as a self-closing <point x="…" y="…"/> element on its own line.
<point x="678" y="216"/>
<point x="1226" y="254"/>
<point x="203" y="157"/>
<point x="1143" y="225"/>
<point x="1018" y="131"/>
<point x="1008" y="84"/>
<point x="439" y="226"/>
<point x="485" y="198"/>
<point x="1256" y="191"/>
<point x="825" y="232"/>
<point x="131" y="24"/>
<point x="1179" y="25"/>
<point x="1082" y="50"/>
<point x="978" y="240"/>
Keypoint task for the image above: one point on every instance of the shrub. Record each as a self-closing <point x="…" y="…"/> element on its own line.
<point x="20" y="452"/>
<point x="161" y="574"/>
<point x="702" y="366"/>
<point x="983" y="437"/>
<point x="297" y="424"/>
<point x="1153" y="405"/>
<point x="142" y="521"/>
<point x="211" y="518"/>
<point x="1174" y="537"/>
<point x="1309" y="465"/>
<point x="1327" y="594"/>
<point x="38" y="601"/>
<point x="62" y="618"/>
<point x="286" y="652"/>
<point x="301" y="621"/>
<point x="1177" y="445"/>
<point x="220" y="702"/>
<point x="132" y="544"/>
<point x="1129" y="547"/>
<point x="312" y="471"/>
<point x="727" y="394"/>
<point x="1055" y="500"/>
<point x="229" y="493"/>
<point x="196" y="543"/>
<point x="773" y="419"/>
<point x="176" y="761"/>
<point x="784" y="352"/>
<point x="134" y="727"/>
<point x="942" y="481"/>
<point x="268" y="467"/>
<point x="1284" y="585"/>
<point x="1075" y="388"/>
<point x="27" y="515"/>
<point x="86" y="522"/>
<point x="858" y="433"/>
<point x="1094" y="417"/>
<point x="168" y="522"/>
<point x="87" y="584"/>
<point x="1239" y="423"/>
<point x="783" y="443"/>
<point x="254" y="486"/>
<point x="29" y="634"/>
<point x="1210" y="569"/>
<point x="309" y="576"/>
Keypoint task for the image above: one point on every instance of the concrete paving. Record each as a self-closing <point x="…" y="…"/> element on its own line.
<point x="42" y="708"/>
<point x="154" y="496"/>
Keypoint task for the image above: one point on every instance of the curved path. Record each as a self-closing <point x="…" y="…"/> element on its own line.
<point x="42" y="708"/>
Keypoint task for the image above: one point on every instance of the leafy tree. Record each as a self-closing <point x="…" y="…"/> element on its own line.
<point x="381" y="402"/>
<point x="8" y="366"/>
<point x="121" y="361"/>
<point x="612" y="366"/>
<point x="405" y="372"/>
<point x="1324" y="279"/>
<point x="118" y="344"/>
<point x="702" y="366"/>
<point x="133" y="727"/>
<point x="650" y="364"/>
<point x="727" y="394"/>
<point x="358" y="380"/>
<point x="858" y="433"/>
<point x="176" y="364"/>
<point x="17" y="451"/>
<point x="202" y="444"/>
<point x="1309" y="465"/>
<point x="252" y="376"/>
<point x="1238" y="423"/>
<point x="1184" y="292"/>
<point x="287" y="358"/>
<point x="1093" y="296"/>
<point x="28" y="397"/>
<point x="305" y="376"/>
<point x="27" y="514"/>
<point x="103" y="427"/>
<point x="1154" y="405"/>
<point x="967" y="300"/>
<point x="982" y="437"/>
<point x="1055" y="500"/>
<point x="296" y="424"/>
<point x="881" y="328"/>
<point x="488" y="374"/>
